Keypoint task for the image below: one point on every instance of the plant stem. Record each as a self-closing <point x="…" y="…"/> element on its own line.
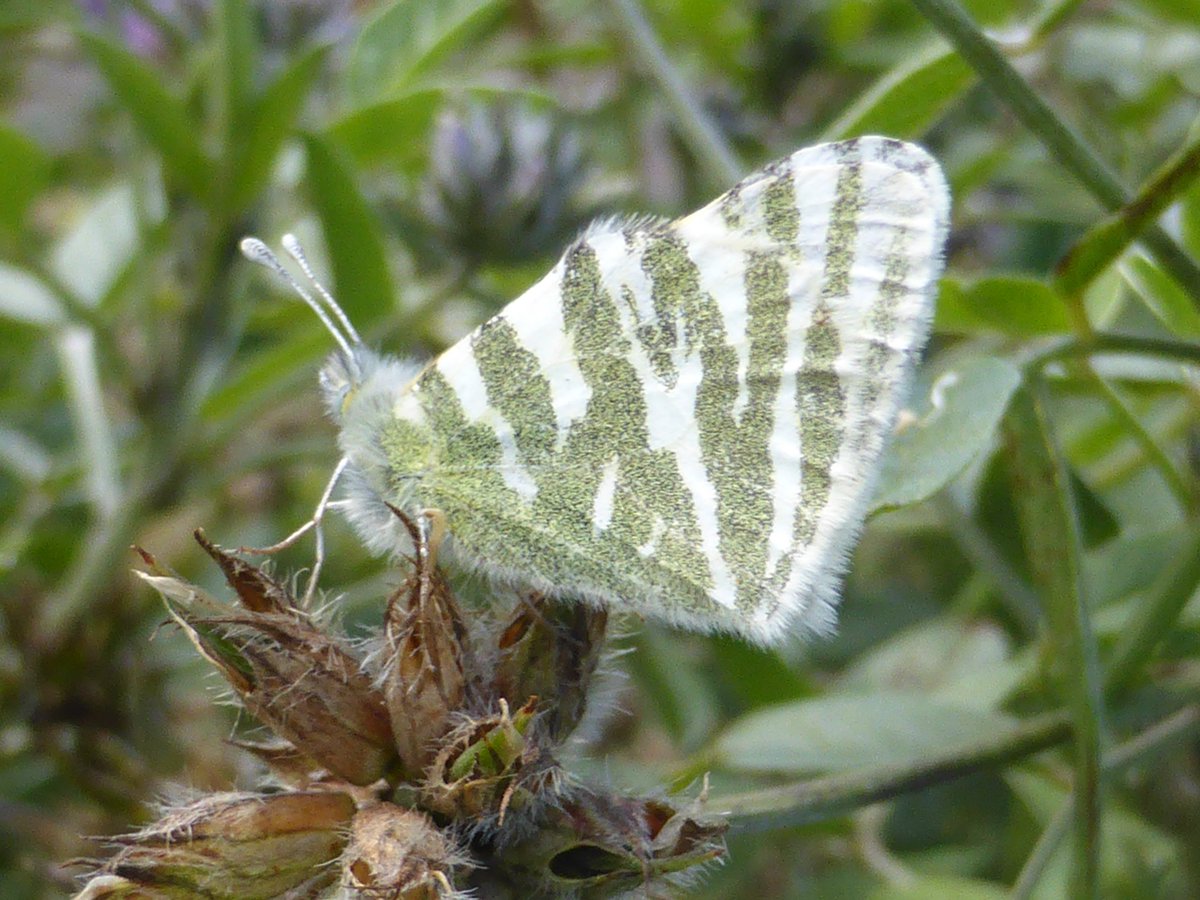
<point x="1064" y="144"/>
<point x="1162" y="734"/>
<point x="703" y="137"/>
<point x="831" y="796"/>
<point x="1050" y="532"/>
<point x="1022" y="602"/>
<point x="1154" y="617"/>
<point x="1182" y="490"/>
<point x="1100" y="343"/>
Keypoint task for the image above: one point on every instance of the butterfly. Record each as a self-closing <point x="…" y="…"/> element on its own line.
<point x="682" y="418"/>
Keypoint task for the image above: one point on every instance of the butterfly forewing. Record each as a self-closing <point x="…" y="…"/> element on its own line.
<point x="686" y="418"/>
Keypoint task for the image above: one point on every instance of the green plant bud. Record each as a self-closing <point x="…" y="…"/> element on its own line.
<point x="504" y="184"/>
<point x="299" y="682"/>
<point x="488" y="767"/>
<point x="244" y="846"/>
<point x="424" y="679"/>
<point x="550" y="650"/>
<point x="400" y="854"/>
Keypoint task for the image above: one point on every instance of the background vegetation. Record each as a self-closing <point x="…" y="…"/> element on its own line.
<point x="1021" y="613"/>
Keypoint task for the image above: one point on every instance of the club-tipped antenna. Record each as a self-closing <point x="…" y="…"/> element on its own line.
<point x="292" y="245"/>
<point x="258" y="252"/>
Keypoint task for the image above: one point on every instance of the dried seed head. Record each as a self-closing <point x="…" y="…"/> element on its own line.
<point x="550" y="650"/>
<point x="606" y="843"/>
<point x="468" y="750"/>
<point x="245" y="846"/>
<point x="426" y="663"/>
<point x="399" y="854"/>
<point x="309" y="690"/>
<point x="295" y="679"/>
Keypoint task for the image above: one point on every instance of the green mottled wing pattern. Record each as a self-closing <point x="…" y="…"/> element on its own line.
<point x="686" y="418"/>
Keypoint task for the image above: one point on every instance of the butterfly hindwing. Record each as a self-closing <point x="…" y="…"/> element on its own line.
<point x="685" y="418"/>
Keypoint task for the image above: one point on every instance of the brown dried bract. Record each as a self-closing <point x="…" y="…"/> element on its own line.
<point x="427" y="665"/>
<point x="399" y="854"/>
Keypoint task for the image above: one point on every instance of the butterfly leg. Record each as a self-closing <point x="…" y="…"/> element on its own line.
<point x="313" y="524"/>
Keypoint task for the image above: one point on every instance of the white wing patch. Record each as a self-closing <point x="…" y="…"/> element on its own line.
<point x="602" y="508"/>
<point x="461" y="372"/>
<point x="538" y="322"/>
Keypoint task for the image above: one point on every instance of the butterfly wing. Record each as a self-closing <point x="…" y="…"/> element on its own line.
<point x="686" y="418"/>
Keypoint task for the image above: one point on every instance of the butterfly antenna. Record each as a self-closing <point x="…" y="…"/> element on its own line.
<point x="258" y="252"/>
<point x="296" y="252"/>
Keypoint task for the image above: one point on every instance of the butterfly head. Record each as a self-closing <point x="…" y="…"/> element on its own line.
<point x="359" y="386"/>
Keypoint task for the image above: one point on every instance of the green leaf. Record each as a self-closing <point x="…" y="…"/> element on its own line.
<point x="159" y="115"/>
<point x="940" y="887"/>
<point x="407" y="38"/>
<point x="752" y="675"/>
<point x="682" y="696"/>
<point x="1014" y="305"/>
<point x="1155" y="617"/>
<point x="92" y="255"/>
<point x="24" y="297"/>
<point x="955" y="421"/>
<point x="1104" y="242"/>
<point x="1044" y="796"/>
<point x="17" y="15"/>
<point x="24" y="172"/>
<point x="267" y="376"/>
<point x="936" y="655"/>
<point x="392" y="130"/>
<point x="909" y="99"/>
<point x="1162" y="295"/>
<point x="717" y="29"/>
<point x="1126" y="567"/>
<point x="269" y="124"/>
<point x="1097" y="524"/>
<point x="237" y="46"/>
<point x="1089" y="256"/>
<point x="352" y="235"/>
<point x="1050" y="534"/>
<point x="840" y="734"/>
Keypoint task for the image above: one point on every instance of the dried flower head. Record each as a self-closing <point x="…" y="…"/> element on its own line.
<point x="425" y="770"/>
<point x="426" y="663"/>
<point x="304" y="685"/>
<point x="401" y="854"/>
<point x="504" y="183"/>
<point x="244" y="846"/>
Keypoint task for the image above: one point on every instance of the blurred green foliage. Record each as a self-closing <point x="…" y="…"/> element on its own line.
<point x="1022" y="611"/>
